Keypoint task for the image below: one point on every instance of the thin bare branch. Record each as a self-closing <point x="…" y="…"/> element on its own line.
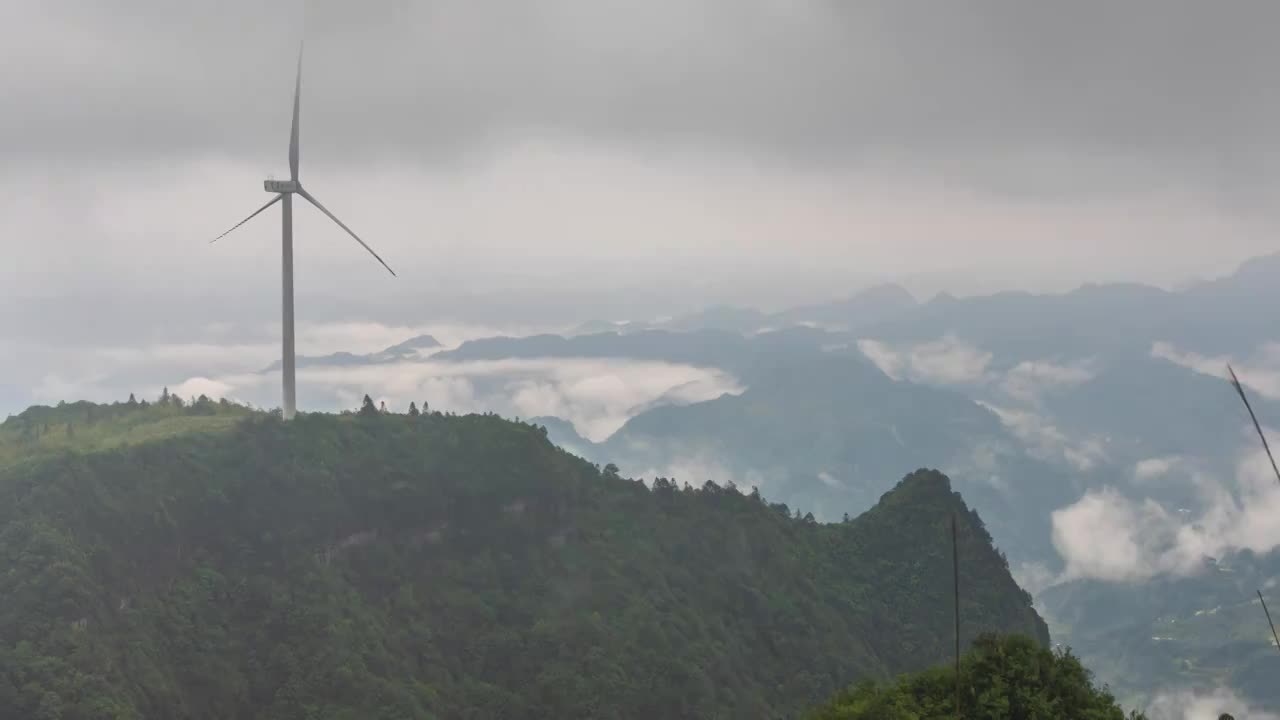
<point x="1235" y="381"/>
<point x="1268" y="613"/>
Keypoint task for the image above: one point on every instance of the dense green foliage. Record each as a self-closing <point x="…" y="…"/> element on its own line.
<point x="1001" y="678"/>
<point x="390" y="566"/>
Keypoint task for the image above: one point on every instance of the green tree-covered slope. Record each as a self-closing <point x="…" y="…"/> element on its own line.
<point x="1001" y="678"/>
<point x="444" y="567"/>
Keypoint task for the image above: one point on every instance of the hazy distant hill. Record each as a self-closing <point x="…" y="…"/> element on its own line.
<point x="715" y="348"/>
<point x="180" y="562"/>
<point x="411" y="349"/>
<point x="860" y="310"/>
<point x="1223" y="316"/>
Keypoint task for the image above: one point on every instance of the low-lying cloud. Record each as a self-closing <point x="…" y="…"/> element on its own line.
<point x="1046" y="441"/>
<point x="1260" y="372"/>
<point x="1107" y="535"/>
<point x="1201" y="705"/>
<point x="596" y="395"/>
<point x="1028" y="381"/>
<point x="953" y="361"/>
<point x="1154" y="468"/>
<point x="946" y="361"/>
<point x="105" y="373"/>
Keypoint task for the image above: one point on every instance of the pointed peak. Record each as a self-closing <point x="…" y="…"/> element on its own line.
<point x="927" y="496"/>
<point x="925" y="492"/>
<point x="922" y="483"/>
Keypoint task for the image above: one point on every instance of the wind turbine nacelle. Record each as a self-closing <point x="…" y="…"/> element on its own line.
<point x="281" y="186"/>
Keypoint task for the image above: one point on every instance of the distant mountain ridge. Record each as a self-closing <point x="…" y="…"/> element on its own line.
<point x="408" y="350"/>
<point x="1090" y="318"/>
<point x="1222" y="316"/>
<point x="862" y="308"/>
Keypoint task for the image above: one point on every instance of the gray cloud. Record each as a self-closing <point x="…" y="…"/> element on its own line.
<point x="1154" y="468"/>
<point x="641" y="158"/>
<point x="1108" y="536"/>
<point x="1181" y="83"/>
<point x="1028" y="381"/>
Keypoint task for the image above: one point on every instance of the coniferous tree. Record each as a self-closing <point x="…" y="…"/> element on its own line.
<point x="367" y="407"/>
<point x="133" y="401"/>
<point x="413" y="409"/>
<point x="164" y="396"/>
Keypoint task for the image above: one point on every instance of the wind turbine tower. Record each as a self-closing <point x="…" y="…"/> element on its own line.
<point x="284" y="190"/>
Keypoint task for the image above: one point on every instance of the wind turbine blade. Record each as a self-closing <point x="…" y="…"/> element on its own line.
<point x="343" y="225"/>
<point x="293" y="132"/>
<point x="270" y="202"/>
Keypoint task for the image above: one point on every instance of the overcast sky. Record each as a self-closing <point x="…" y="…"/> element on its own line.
<point x="672" y="153"/>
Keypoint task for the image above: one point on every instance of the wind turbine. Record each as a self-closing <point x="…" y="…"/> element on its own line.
<point x="284" y="190"/>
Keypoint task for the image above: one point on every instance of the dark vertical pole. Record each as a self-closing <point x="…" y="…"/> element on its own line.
<point x="1268" y="612"/>
<point x="955" y="568"/>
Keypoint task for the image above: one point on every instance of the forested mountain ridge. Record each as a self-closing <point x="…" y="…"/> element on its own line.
<point x="460" y="567"/>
